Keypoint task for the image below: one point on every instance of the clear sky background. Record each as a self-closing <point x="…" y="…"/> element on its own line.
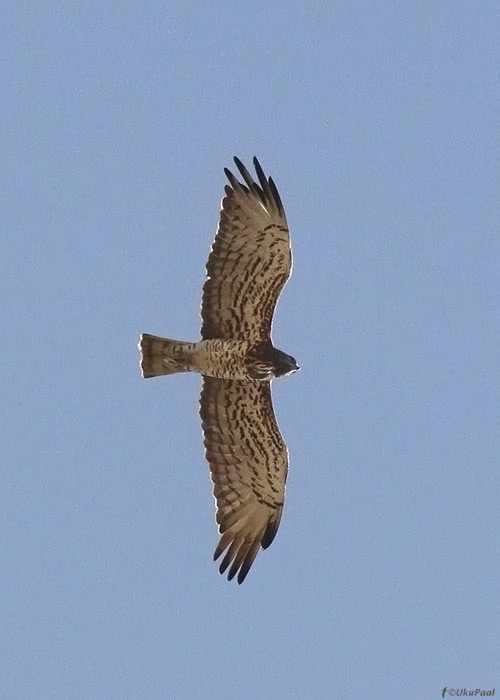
<point x="379" y="122"/>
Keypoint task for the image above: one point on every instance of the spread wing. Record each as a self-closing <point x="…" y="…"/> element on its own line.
<point x="248" y="464"/>
<point x="250" y="260"/>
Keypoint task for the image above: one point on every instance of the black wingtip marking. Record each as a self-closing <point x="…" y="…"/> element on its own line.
<point x="276" y="196"/>
<point x="234" y="182"/>
<point x="248" y="179"/>
<point x="266" y="189"/>
<point x="225" y="563"/>
<point x="260" y="172"/>
<point x="270" y="533"/>
<point x="268" y="186"/>
<point x="238" y="163"/>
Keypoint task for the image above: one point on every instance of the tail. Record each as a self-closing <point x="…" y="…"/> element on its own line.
<point x="163" y="356"/>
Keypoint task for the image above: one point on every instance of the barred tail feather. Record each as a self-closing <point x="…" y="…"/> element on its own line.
<point x="161" y="356"/>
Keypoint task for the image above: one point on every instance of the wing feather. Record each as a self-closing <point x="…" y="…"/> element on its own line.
<point x="248" y="464"/>
<point x="250" y="260"/>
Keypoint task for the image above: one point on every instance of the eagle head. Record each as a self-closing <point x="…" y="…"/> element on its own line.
<point x="265" y="363"/>
<point x="283" y="364"/>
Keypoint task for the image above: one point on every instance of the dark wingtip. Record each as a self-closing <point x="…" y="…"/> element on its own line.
<point x="242" y="575"/>
<point x="270" y="533"/>
<point x="224" y="564"/>
<point x="258" y="169"/>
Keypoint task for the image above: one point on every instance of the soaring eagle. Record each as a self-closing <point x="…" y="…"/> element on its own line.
<point x="247" y="268"/>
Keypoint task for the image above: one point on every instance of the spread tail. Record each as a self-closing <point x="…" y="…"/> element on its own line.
<point x="163" y="356"/>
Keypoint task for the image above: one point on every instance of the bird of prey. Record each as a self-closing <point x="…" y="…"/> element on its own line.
<point x="248" y="266"/>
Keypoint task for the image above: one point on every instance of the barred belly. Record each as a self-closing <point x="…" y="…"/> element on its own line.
<point x="224" y="359"/>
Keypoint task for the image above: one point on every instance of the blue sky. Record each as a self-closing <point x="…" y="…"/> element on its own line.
<point x="379" y="123"/>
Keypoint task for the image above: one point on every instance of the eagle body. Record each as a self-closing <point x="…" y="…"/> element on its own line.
<point x="219" y="358"/>
<point x="248" y="267"/>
